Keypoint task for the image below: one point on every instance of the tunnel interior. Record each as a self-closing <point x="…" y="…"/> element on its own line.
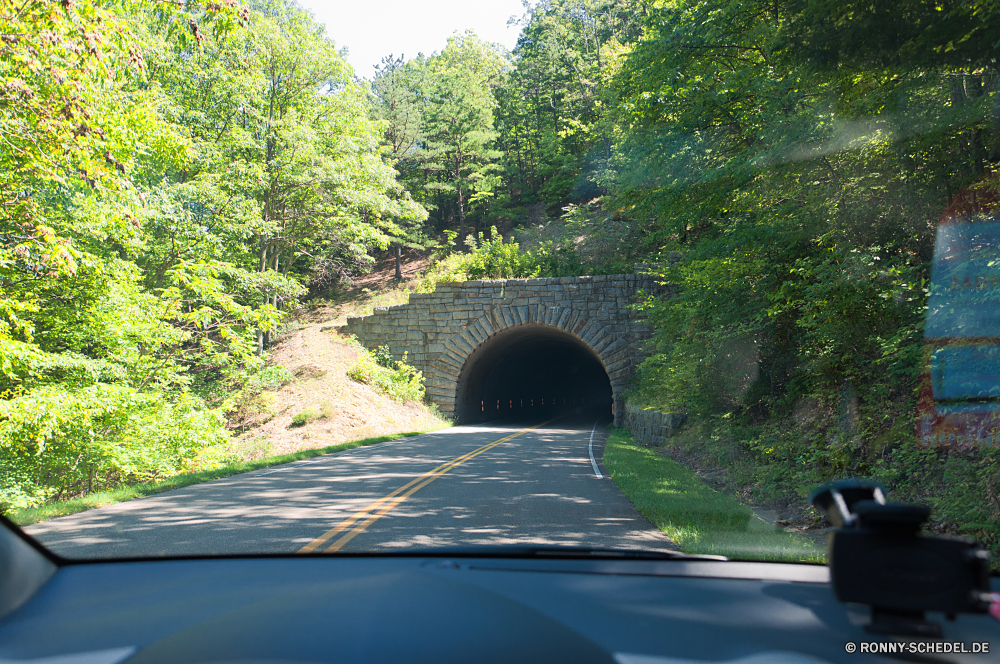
<point x="529" y="372"/>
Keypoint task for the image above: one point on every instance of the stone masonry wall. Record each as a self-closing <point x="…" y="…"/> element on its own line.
<point x="439" y="330"/>
<point x="651" y="427"/>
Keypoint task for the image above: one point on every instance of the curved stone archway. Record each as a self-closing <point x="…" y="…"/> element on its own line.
<point x="613" y="353"/>
<point x="532" y="370"/>
<point x="443" y="330"/>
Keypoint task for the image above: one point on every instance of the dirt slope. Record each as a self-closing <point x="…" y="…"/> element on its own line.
<point x="337" y="409"/>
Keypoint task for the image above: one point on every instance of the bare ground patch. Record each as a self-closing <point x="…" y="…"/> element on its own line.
<point x="375" y="289"/>
<point x="322" y="406"/>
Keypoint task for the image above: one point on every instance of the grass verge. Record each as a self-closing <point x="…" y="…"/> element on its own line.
<point x="695" y="516"/>
<point x="28" y="516"/>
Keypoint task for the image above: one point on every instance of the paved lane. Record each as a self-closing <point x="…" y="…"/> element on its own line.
<point x="536" y="485"/>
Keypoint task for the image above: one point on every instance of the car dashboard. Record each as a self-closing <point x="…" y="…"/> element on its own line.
<point x="439" y="608"/>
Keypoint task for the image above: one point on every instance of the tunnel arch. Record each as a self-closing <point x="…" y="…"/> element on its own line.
<point x="572" y="326"/>
<point x="530" y="371"/>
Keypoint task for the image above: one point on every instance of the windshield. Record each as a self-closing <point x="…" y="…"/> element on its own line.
<point x="613" y="274"/>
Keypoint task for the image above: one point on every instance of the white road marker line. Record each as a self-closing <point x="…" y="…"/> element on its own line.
<point x="593" y="461"/>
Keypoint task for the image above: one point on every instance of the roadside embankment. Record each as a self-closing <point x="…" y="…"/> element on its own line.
<point x="313" y="407"/>
<point x="322" y="405"/>
<point x="120" y="494"/>
<point x="698" y="518"/>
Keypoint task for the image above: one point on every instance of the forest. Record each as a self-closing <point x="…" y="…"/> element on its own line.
<point x="178" y="177"/>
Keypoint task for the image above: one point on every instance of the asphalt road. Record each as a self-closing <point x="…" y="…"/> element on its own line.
<point x="500" y="483"/>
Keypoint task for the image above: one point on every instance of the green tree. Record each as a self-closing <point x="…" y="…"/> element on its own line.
<point x="554" y="117"/>
<point x="159" y="204"/>
<point x="397" y="88"/>
<point x="802" y="195"/>
<point x="91" y="380"/>
<point x="458" y="118"/>
<point x="287" y="174"/>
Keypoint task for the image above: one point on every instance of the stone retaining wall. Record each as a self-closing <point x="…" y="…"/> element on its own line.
<point x="651" y="427"/>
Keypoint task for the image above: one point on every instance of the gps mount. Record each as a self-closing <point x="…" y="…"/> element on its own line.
<point x="878" y="557"/>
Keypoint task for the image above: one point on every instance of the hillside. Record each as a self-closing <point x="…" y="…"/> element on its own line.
<point x="335" y="408"/>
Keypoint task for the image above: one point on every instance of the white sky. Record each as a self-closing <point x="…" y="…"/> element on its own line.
<point x="371" y="29"/>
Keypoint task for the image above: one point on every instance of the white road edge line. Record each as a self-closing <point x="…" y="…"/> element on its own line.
<point x="593" y="461"/>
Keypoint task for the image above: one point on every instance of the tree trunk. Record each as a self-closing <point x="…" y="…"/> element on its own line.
<point x="461" y="220"/>
<point x="273" y="300"/>
<point x="261" y="267"/>
<point x="399" y="271"/>
<point x="262" y="255"/>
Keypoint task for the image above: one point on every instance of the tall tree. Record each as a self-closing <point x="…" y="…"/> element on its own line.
<point x="458" y="148"/>
<point x="555" y="121"/>
<point x="287" y="153"/>
<point x="397" y="87"/>
<point x="171" y="172"/>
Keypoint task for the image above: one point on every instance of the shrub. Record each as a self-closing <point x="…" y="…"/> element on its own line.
<point x="383" y="357"/>
<point x="495" y="259"/>
<point x="304" y="418"/>
<point x="271" y="377"/>
<point x="488" y="258"/>
<point x="400" y="381"/>
<point x="58" y="443"/>
<point x="245" y="407"/>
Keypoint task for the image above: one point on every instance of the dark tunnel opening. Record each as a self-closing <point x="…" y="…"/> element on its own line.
<point x="531" y="372"/>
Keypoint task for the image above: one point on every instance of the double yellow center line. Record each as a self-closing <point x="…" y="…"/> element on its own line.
<point x="355" y="525"/>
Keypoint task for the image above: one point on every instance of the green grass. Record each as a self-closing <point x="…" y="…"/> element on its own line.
<point x="304" y="418"/>
<point x="695" y="516"/>
<point x="24" y="517"/>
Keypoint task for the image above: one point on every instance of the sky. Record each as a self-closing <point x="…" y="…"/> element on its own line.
<point x="371" y="29"/>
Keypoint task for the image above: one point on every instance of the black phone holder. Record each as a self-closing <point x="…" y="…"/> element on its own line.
<point x="878" y="557"/>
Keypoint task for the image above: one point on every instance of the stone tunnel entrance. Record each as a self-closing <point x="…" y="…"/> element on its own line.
<point x="532" y="371"/>
<point x="484" y="346"/>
